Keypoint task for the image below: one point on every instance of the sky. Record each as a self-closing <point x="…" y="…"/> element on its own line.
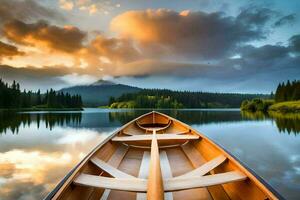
<point x="242" y="46"/>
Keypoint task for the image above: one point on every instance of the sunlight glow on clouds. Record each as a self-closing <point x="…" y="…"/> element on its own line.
<point x="148" y="41"/>
<point x="66" y="4"/>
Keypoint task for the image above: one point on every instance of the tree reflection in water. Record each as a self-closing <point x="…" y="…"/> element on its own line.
<point x="12" y="120"/>
<point x="286" y="123"/>
<point x="289" y="123"/>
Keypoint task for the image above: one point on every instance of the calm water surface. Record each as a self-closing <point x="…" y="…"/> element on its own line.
<point x="37" y="149"/>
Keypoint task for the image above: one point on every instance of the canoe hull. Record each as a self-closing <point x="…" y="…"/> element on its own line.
<point x="181" y="156"/>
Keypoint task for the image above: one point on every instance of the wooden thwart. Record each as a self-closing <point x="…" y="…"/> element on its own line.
<point x="132" y="184"/>
<point x="205" y="168"/>
<point x="203" y="181"/>
<point x="109" y="169"/>
<point x="172" y="184"/>
<point x="159" y="137"/>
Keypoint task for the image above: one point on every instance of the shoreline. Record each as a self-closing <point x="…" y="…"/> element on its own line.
<point x="267" y="106"/>
<point x="40" y="109"/>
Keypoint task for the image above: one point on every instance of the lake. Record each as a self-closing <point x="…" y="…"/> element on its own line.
<point x="37" y="149"/>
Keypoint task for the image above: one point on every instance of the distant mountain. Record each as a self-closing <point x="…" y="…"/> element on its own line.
<point x="98" y="93"/>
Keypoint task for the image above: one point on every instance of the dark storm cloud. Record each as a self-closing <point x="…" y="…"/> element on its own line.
<point x="295" y="43"/>
<point x="288" y="19"/>
<point x="25" y="10"/>
<point x="196" y="35"/>
<point x="255" y="16"/>
<point x="7" y="50"/>
<point x="67" y="39"/>
<point x="265" y="52"/>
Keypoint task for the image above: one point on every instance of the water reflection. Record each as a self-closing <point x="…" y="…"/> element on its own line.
<point x="38" y="149"/>
<point x="12" y="121"/>
<point x="187" y="116"/>
<point x="286" y="123"/>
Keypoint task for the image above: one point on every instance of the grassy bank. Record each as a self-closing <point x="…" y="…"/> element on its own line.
<point x="286" y="107"/>
<point x="259" y="105"/>
<point x="255" y="105"/>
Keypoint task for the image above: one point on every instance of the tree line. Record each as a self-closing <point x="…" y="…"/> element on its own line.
<point x="163" y="98"/>
<point x="289" y="91"/>
<point x="11" y="97"/>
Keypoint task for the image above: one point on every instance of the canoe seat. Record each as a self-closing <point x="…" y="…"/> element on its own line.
<point x="109" y="169"/>
<point x="170" y="184"/>
<point x="160" y="137"/>
<point x="152" y="128"/>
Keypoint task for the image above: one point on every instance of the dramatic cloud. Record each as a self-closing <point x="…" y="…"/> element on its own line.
<point x="66" y="5"/>
<point x="295" y="43"/>
<point x="25" y="10"/>
<point x="266" y="52"/>
<point x="116" y="50"/>
<point x="7" y="50"/>
<point x="146" y="67"/>
<point x="67" y="39"/>
<point x="196" y="35"/>
<point x="90" y="6"/>
<point x="288" y="19"/>
<point x="143" y="43"/>
<point x="255" y="17"/>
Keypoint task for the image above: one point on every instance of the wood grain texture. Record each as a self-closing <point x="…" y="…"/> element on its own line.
<point x="133" y="184"/>
<point x="205" y="168"/>
<point x="143" y="173"/>
<point x="159" y="137"/>
<point x="203" y="181"/>
<point x="109" y="169"/>
<point x="166" y="172"/>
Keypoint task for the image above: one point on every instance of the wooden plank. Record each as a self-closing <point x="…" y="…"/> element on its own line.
<point x="180" y="164"/>
<point x="143" y="173"/>
<point x="130" y="165"/>
<point x="195" y="157"/>
<point x="205" y="168"/>
<point x="109" y="169"/>
<point x="159" y="137"/>
<point x="114" y="161"/>
<point x="133" y="184"/>
<point x="155" y="189"/>
<point x="175" y="184"/>
<point x="166" y="172"/>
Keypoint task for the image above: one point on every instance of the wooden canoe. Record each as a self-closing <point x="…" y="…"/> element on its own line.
<point x="158" y="157"/>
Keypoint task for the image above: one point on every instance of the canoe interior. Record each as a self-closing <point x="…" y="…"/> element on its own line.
<point x="177" y="155"/>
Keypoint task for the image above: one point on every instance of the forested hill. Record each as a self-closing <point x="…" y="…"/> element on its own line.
<point x="162" y="98"/>
<point x="98" y="93"/>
